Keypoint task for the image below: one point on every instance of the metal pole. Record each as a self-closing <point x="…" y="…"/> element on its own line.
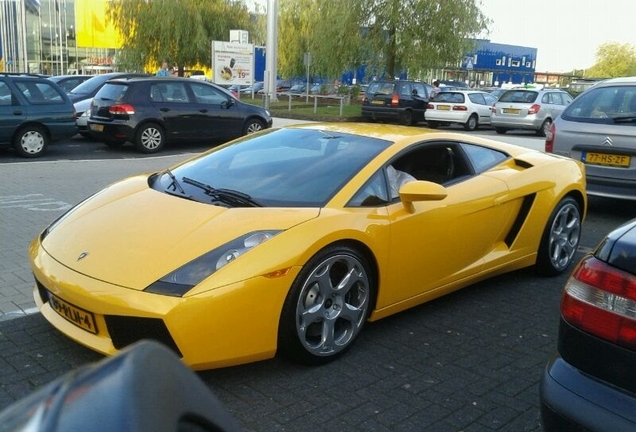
<point x="272" y="51"/>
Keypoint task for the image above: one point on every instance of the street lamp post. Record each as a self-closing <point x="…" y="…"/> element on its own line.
<point x="271" y="52"/>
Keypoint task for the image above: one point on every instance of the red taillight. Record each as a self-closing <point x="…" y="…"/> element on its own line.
<point x="534" y="109"/>
<point x="460" y="108"/>
<point x="549" y="139"/>
<point x="121" y="109"/>
<point x="601" y="300"/>
<point x="395" y="100"/>
<point x="430" y="106"/>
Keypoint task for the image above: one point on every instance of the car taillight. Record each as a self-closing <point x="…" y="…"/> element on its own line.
<point x="534" y="109"/>
<point x="430" y="106"/>
<point x="601" y="300"/>
<point x="395" y="100"/>
<point x="460" y="108"/>
<point x="549" y="139"/>
<point x="121" y="109"/>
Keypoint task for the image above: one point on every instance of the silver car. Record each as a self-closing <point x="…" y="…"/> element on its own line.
<point x="599" y="129"/>
<point x="528" y="109"/>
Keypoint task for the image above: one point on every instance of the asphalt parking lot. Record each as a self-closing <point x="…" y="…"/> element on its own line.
<point x="470" y="361"/>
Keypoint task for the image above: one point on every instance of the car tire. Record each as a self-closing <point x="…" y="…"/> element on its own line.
<point x="500" y="130"/>
<point x="432" y="124"/>
<point x="253" y="126"/>
<point x="326" y="307"/>
<point x="560" y="238"/>
<point x="406" y="118"/>
<point x="31" y="141"/>
<point x="472" y="123"/>
<point x="545" y="128"/>
<point x="150" y="138"/>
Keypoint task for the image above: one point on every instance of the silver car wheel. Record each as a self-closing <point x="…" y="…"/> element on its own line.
<point x="32" y="142"/>
<point x="151" y="138"/>
<point x="565" y="233"/>
<point x="332" y="305"/>
<point x="253" y="126"/>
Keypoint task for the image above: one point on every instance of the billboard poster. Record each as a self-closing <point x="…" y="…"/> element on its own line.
<point x="232" y="63"/>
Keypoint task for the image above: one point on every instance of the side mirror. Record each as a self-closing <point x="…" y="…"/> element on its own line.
<point x="415" y="191"/>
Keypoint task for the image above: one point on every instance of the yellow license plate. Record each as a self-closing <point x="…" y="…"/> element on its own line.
<point x="377" y="102"/>
<point x="97" y="127"/>
<point x="81" y="318"/>
<point x="606" y="159"/>
<point x="443" y="107"/>
<point x="511" y="110"/>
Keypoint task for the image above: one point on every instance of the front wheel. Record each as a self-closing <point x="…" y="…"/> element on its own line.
<point x="326" y="307"/>
<point x="150" y="138"/>
<point x="560" y="238"/>
<point x="252" y="126"/>
<point x="31" y="141"/>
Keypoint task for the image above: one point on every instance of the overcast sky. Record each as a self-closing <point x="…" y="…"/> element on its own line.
<point x="566" y="33"/>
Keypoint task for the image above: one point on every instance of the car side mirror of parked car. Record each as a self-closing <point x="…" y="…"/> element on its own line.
<point x="415" y="191"/>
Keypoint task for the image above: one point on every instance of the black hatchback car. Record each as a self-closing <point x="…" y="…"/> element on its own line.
<point x="33" y="113"/>
<point x="399" y="101"/>
<point x="151" y="112"/>
<point x="590" y="384"/>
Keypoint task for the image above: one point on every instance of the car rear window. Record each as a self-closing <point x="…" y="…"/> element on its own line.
<point x="112" y="91"/>
<point x="616" y="104"/>
<point x="387" y="88"/>
<point x="449" y="97"/>
<point x="519" y="96"/>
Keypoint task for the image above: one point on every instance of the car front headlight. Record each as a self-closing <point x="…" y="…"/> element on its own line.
<point x="183" y="279"/>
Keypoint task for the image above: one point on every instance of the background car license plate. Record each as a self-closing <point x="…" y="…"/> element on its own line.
<point x="606" y="159"/>
<point x="81" y="318"/>
<point x="377" y="102"/>
<point x="443" y="107"/>
<point x="511" y="111"/>
<point x="97" y="127"/>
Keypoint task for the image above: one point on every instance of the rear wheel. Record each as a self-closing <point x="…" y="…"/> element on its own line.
<point x="501" y="130"/>
<point x="545" y="128"/>
<point x="326" y="307"/>
<point x="31" y="141"/>
<point x="150" y="138"/>
<point x="472" y="123"/>
<point x="407" y="117"/>
<point x="560" y="238"/>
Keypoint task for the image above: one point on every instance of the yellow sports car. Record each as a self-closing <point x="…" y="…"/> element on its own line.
<point x="291" y="239"/>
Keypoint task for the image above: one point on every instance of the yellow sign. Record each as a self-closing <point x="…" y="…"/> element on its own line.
<point x="93" y="28"/>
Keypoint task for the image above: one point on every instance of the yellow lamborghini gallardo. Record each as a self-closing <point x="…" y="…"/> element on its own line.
<point x="289" y="240"/>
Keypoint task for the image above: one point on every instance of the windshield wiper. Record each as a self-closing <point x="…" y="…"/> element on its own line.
<point x="175" y="183"/>
<point x="227" y="196"/>
<point x="624" y="119"/>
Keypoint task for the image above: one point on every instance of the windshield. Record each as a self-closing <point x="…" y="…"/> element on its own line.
<point x="604" y="105"/>
<point x="278" y="168"/>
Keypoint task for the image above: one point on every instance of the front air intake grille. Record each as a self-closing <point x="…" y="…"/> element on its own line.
<point x="125" y="330"/>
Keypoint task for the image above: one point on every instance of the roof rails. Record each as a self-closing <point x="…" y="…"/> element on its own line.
<point x="24" y="74"/>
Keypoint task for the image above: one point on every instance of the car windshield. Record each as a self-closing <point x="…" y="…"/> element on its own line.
<point x="278" y="168"/>
<point x="519" y="96"/>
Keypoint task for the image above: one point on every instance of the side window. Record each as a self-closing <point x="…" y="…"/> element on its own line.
<point x="421" y="90"/>
<point x="373" y="194"/>
<point x="207" y="94"/>
<point x="175" y="92"/>
<point x="5" y="94"/>
<point x="405" y="89"/>
<point x="440" y="162"/>
<point x="477" y="98"/>
<point x="483" y="158"/>
<point x="490" y="100"/>
<point x="40" y="93"/>
<point x="546" y="99"/>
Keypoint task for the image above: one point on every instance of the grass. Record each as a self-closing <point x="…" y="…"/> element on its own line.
<point x="326" y="109"/>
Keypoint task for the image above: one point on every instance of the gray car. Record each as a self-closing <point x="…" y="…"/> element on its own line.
<point x="599" y="129"/>
<point x="528" y="109"/>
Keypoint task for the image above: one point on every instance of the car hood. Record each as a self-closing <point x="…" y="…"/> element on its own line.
<point x="131" y="235"/>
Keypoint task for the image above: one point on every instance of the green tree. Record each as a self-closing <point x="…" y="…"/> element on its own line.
<point x="613" y="59"/>
<point x="177" y="30"/>
<point x="387" y="35"/>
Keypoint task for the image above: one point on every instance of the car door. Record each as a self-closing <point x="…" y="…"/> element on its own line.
<point x="177" y="112"/>
<point x="12" y="112"/>
<point x="439" y="242"/>
<point x="218" y="113"/>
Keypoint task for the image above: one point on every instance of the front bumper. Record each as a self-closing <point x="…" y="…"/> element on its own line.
<point x="225" y="326"/>
<point x="573" y="401"/>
